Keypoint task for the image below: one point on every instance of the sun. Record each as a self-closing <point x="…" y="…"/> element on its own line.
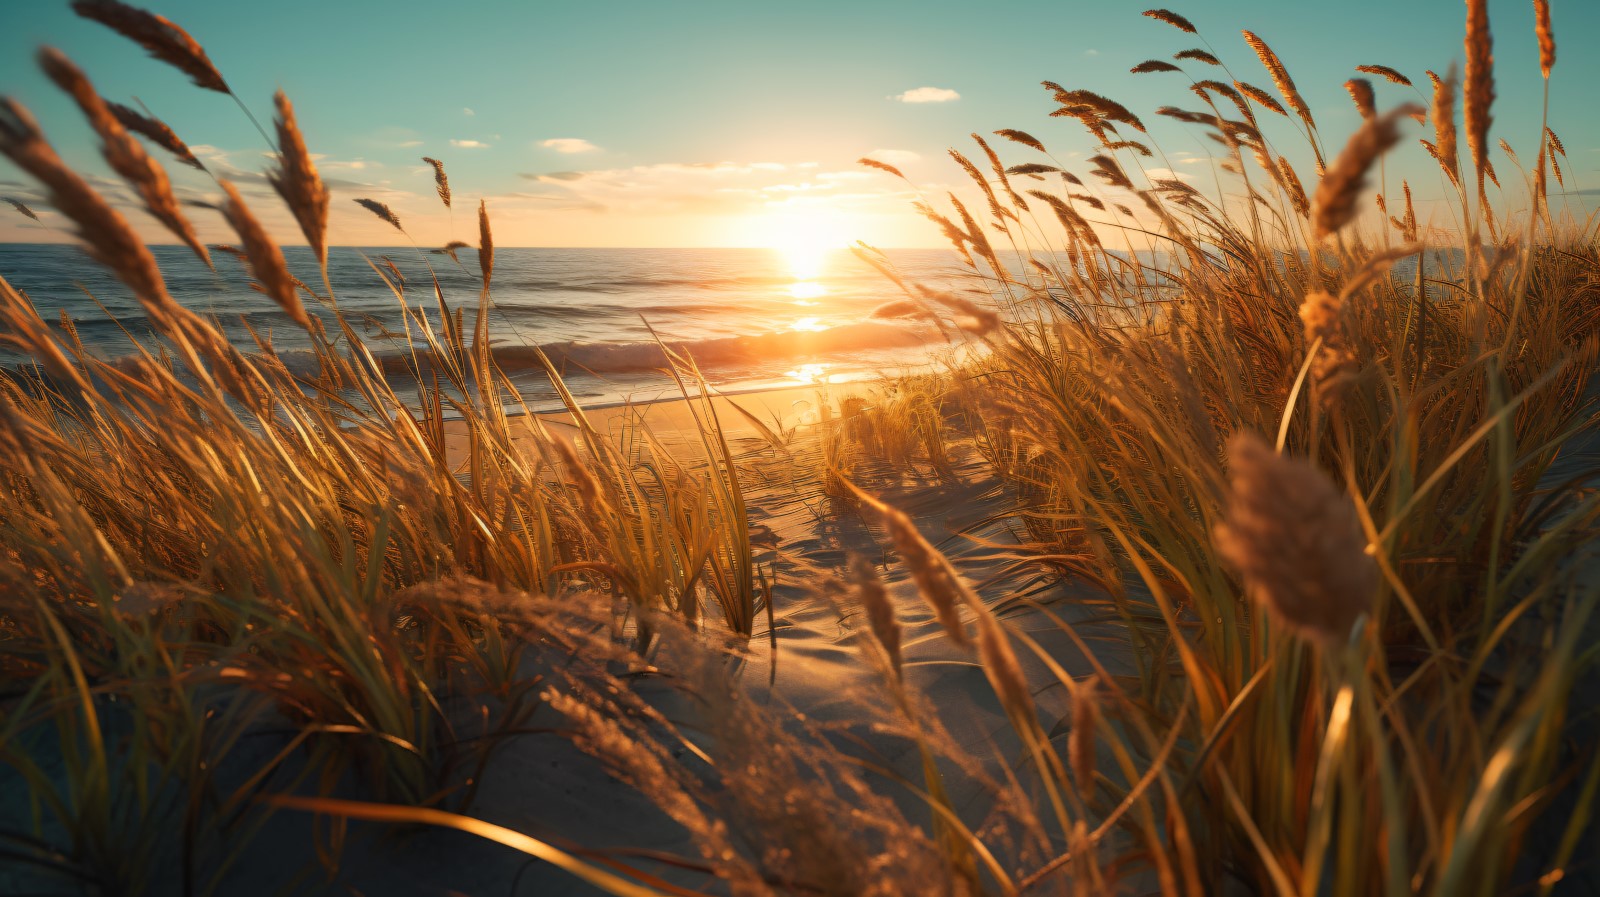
<point x="805" y="238"/>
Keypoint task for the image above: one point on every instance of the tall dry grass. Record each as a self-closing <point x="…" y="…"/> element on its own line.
<point x="1331" y="507"/>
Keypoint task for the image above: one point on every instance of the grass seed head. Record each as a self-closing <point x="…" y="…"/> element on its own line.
<point x="1296" y="542"/>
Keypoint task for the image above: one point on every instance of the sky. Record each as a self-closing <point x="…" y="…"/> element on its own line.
<point x="711" y="123"/>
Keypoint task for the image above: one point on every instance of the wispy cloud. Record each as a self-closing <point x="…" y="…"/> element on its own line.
<point x="407" y="144"/>
<point x="469" y="144"/>
<point x="569" y="145"/>
<point x="896" y="157"/>
<point x="927" y="95"/>
<point x="467" y="110"/>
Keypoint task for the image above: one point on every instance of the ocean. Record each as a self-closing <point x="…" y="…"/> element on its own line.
<point x="751" y="318"/>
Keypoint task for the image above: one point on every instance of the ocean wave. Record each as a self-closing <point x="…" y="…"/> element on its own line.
<point x="751" y="350"/>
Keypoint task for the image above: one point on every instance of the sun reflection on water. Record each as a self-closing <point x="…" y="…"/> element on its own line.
<point x="807" y="289"/>
<point x="809" y="373"/>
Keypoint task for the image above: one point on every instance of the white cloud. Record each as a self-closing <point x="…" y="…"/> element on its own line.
<point x="1167" y="174"/>
<point x="704" y="188"/>
<point x="467" y="110"/>
<point x="927" y="95"/>
<point x="894" y="157"/>
<point x="406" y="144"/>
<point x="1091" y="52"/>
<point x="569" y="145"/>
<point x="469" y="144"/>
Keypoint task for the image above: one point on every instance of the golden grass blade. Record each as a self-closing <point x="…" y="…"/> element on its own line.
<point x="350" y="809"/>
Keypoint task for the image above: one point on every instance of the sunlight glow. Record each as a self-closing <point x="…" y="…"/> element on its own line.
<point x="808" y="325"/>
<point x="809" y="373"/>
<point x="807" y="289"/>
<point x="805" y="236"/>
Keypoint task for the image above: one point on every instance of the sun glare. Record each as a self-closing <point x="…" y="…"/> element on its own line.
<point x="805" y="237"/>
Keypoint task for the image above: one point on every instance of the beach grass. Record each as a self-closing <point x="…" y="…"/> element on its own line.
<point x="1316" y="488"/>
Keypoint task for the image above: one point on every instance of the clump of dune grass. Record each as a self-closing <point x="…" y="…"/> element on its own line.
<point x="1396" y="447"/>
<point x="197" y="542"/>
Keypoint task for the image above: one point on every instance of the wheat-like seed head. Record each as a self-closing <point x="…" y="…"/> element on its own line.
<point x="1386" y="72"/>
<point x="881" y="166"/>
<point x="1546" y="35"/>
<point x="1154" y="65"/>
<point x="1296" y="542"/>
<point x="1361" y="94"/>
<point x="157" y="132"/>
<point x="1171" y="18"/>
<point x="1478" y="95"/>
<point x="1334" y="204"/>
<point x="441" y="183"/>
<point x="485" y="243"/>
<point x="124" y="154"/>
<point x="1260" y="96"/>
<point x="382" y="210"/>
<point x="266" y="259"/>
<point x="1022" y="137"/>
<point x="1280" y="78"/>
<point x="297" y="181"/>
<point x="20" y="207"/>
<point x="160" y="38"/>
<point x="880" y="610"/>
<point x="110" y="240"/>
<point x="1198" y="56"/>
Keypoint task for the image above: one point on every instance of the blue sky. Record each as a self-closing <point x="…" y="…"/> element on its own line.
<point x="733" y="123"/>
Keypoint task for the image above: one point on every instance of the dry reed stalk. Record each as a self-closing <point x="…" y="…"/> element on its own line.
<point x="266" y="259"/>
<point x="157" y="132"/>
<point x="1171" y="18"/>
<point x="1198" y="56"/>
<point x="1296" y="542"/>
<point x="124" y="154"/>
<point x="110" y="240"/>
<point x="1335" y="365"/>
<point x="1546" y="35"/>
<point x="382" y="210"/>
<point x="297" y="181"/>
<point x="1080" y="744"/>
<point x="1384" y="71"/>
<point x="1280" y="78"/>
<point x="1334" y="204"/>
<point x="1478" y="95"/>
<point x="1361" y="94"/>
<point x="20" y="207"/>
<point x="485" y="243"/>
<point x="880" y="609"/>
<point x="441" y="182"/>
<point x="160" y="38"/>
<point x="881" y="166"/>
